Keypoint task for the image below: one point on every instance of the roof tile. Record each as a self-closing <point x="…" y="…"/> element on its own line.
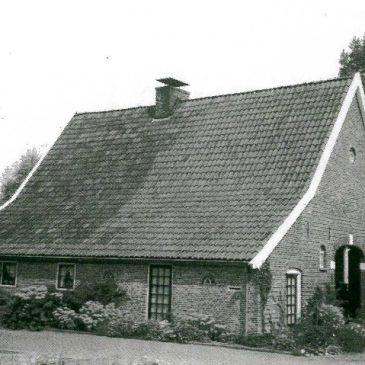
<point x="211" y="182"/>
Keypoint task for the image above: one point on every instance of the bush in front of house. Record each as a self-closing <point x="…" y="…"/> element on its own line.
<point x="102" y="291"/>
<point x="65" y="318"/>
<point x="36" y="307"/>
<point x="187" y="331"/>
<point x="197" y="328"/>
<point x="323" y="327"/>
<point x="351" y="337"/>
<point x="31" y="308"/>
<point x="90" y="317"/>
<point x="318" y="329"/>
<point x="257" y="341"/>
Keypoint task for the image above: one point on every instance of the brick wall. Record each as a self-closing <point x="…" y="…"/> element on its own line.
<point x="220" y="300"/>
<point x="337" y="210"/>
<point x="224" y="300"/>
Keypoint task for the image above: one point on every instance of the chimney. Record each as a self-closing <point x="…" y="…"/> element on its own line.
<point x="169" y="96"/>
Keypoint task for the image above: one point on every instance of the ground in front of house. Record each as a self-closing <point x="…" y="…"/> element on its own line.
<point x="85" y="349"/>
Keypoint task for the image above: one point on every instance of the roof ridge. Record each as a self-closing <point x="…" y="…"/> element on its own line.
<point x="113" y="110"/>
<point x="272" y="88"/>
<point x="222" y="95"/>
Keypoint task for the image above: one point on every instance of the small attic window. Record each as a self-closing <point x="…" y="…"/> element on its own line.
<point x="208" y="280"/>
<point x="322" y="258"/>
<point x="352" y="155"/>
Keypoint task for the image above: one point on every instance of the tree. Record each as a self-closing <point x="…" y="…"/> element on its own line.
<point x="353" y="60"/>
<point x="15" y="174"/>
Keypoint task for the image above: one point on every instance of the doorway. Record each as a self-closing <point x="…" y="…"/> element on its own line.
<point x="348" y="278"/>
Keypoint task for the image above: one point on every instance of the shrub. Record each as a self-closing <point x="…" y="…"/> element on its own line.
<point x="92" y="314"/>
<point x="256" y="340"/>
<point x="31" y="308"/>
<point x="186" y="331"/>
<point x="318" y="328"/>
<point x="176" y="330"/>
<point x="208" y="327"/>
<point x="321" y="297"/>
<point x="5" y="297"/>
<point x="284" y="342"/>
<point x="65" y="318"/>
<point x="119" y="327"/>
<point x="149" y="330"/>
<point x="102" y="291"/>
<point x="351" y="338"/>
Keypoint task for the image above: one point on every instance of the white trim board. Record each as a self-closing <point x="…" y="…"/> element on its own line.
<point x="277" y="236"/>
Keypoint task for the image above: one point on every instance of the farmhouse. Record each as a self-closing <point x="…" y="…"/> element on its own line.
<point x="236" y="206"/>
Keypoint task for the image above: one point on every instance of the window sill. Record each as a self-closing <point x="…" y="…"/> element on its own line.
<point x="65" y="289"/>
<point x="7" y="286"/>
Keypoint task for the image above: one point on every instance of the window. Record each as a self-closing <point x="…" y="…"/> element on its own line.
<point x="8" y="273"/>
<point x="208" y="280"/>
<point x="293" y="296"/>
<point x="322" y="258"/>
<point x="66" y="276"/>
<point x="160" y="292"/>
<point x="108" y="275"/>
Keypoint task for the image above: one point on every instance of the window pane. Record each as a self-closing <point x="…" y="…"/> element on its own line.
<point x="8" y="273"/>
<point x="160" y="292"/>
<point x="66" y="275"/>
<point x="291" y="299"/>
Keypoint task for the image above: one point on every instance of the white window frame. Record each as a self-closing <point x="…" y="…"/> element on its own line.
<point x="298" y="274"/>
<point x="322" y="257"/>
<point x="16" y="274"/>
<point x="58" y="272"/>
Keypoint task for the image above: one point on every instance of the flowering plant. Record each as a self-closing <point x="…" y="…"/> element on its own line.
<point x="31" y="308"/>
<point x="65" y="318"/>
<point x="91" y="314"/>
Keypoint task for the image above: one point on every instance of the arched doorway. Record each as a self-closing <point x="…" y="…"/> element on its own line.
<point x="348" y="278"/>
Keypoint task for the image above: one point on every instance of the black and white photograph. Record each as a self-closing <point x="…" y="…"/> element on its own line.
<point x="182" y="183"/>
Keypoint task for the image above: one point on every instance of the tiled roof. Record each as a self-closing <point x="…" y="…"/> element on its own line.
<point x="213" y="181"/>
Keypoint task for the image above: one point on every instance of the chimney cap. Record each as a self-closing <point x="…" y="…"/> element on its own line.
<point x="172" y="82"/>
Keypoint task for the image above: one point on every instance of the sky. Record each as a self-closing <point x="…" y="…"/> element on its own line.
<point x="62" y="57"/>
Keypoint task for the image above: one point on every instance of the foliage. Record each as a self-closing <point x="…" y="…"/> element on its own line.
<point x="321" y="296"/>
<point x="186" y="331"/>
<point x="264" y="340"/>
<point x="102" y="291"/>
<point x="91" y="314"/>
<point x="15" y="174"/>
<point x="207" y="327"/>
<point x="119" y="327"/>
<point x="65" y="318"/>
<point x="351" y="338"/>
<point x="262" y="278"/>
<point x="285" y="341"/>
<point x="323" y="328"/>
<point x="353" y="60"/>
<point x="89" y="318"/>
<point x="154" y="330"/>
<point x="35" y="307"/>
<point x="200" y="328"/>
<point x="5" y="297"/>
<point x="31" y="308"/>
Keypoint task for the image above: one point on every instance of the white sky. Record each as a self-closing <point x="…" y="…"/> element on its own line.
<point x="59" y="57"/>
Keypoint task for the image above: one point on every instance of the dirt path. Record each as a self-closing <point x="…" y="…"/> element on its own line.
<point x="126" y="351"/>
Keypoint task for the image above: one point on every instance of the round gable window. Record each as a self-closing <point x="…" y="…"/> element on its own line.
<point x="108" y="275"/>
<point x="352" y="155"/>
<point x="208" y="280"/>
